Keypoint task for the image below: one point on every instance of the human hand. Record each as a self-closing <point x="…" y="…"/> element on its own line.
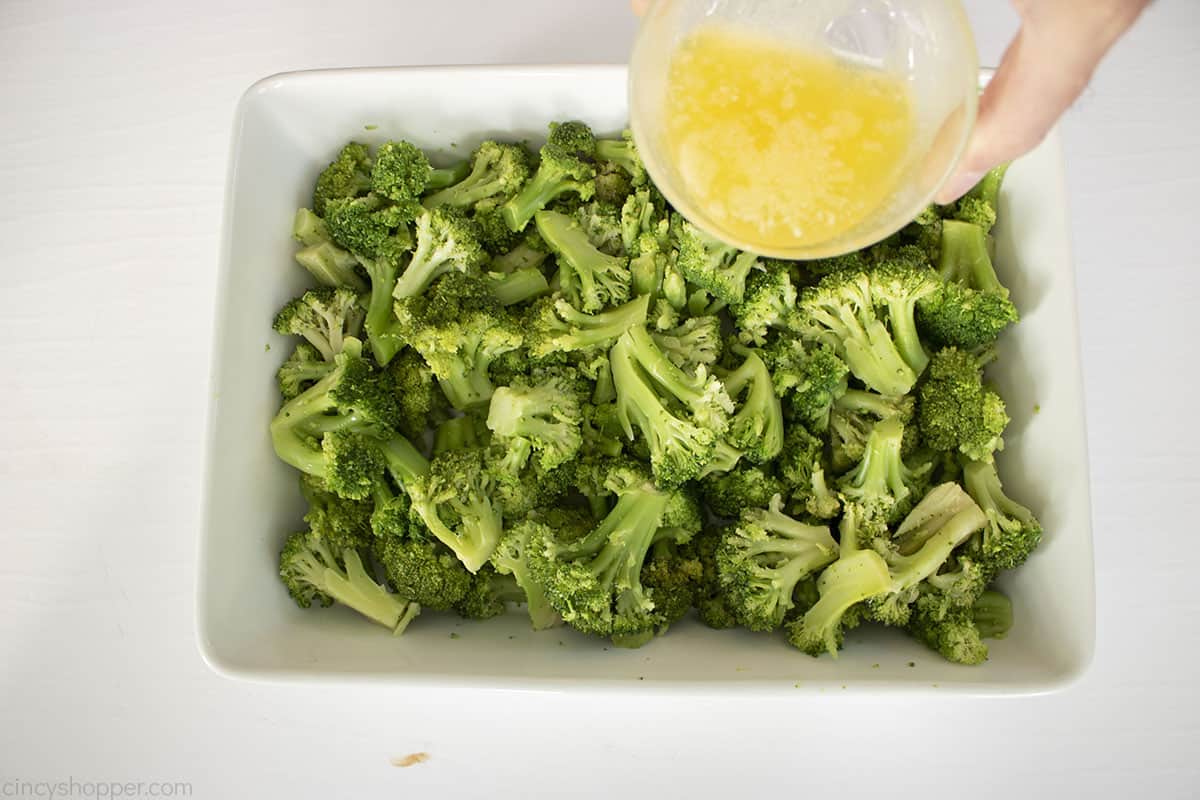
<point x="1043" y="71"/>
<point x="1045" y="68"/>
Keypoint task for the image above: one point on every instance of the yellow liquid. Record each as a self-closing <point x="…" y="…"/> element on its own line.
<point x="778" y="146"/>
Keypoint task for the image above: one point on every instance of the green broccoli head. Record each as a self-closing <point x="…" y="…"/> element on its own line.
<point x="348" y="176"/>
<point x="459" y="328"/>
<point x="882" y="485"/>
<point x="707" y="262"/>
<point x="446" y="241"/>
<point x="769" y="302"/>
<point x="370" y="227"/>
<point x="304" y="367"/>
<point x="544" y="416"/>
<point x="453" y="500"/>
<point x="567" y="165"/>
<point x="761" y="560"/>
<point x="727" y="494"/>
<point x="313" y="572"/>
<point x="324" y="317"/>
<point x="756" y="428"/>
<point x="554" y="326"/>
<point x="1012" y="531"/>
<point x="497" y="172"/>
<point x="424" y="571"/>
<point x="956" y="411"/>
<point x="957" y="316"/>
<point x="711" y="605"/>
<point x="595" y="279"/>
<point x="512" y="557"/>
<point x="401" y="174"/>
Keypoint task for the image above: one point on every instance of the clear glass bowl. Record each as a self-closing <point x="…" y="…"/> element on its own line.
<point x="927" y="43"/>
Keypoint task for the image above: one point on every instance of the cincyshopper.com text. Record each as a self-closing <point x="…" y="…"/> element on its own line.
<point x="74" y="787"/>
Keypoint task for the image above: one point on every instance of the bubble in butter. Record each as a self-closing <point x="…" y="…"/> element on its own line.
<point x="780" y="146"/>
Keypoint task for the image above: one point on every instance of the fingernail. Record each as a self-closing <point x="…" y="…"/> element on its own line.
<point x="956" y="187"/>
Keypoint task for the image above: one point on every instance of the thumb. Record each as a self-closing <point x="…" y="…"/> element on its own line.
<point x="1041" y="74"/>
<point x="640" y="7"/>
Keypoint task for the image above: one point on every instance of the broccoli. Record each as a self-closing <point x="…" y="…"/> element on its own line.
<point x="953" y="634"/>
<point x="518" y="286"/>
<point x="304" y="367"/>
<point x="992" y="614"/>
<point x="329" y="264"/>
<point x="488" y="595"/>
<point x="568" y="164"/>
<point x="369" y="227"/>
<point x="601" y="223"/>
<point x="401" y="173"/>
<point x="693" y="343"/>
<point x="712" y="265"/>
<point x="854" y="416"/>
<point x="680" y="448"/>
<point x="756" y="429"/>
<point x="453" y="499"/>
<point x="340" y="428"/>
<point x="956" y="411"/>
<point x="497" y="172"/>
<point x="672" y="575"/>
<point x="980" y="205"/>
<point x="840" y="312"/>
<point x="544" y="417"/>
<point x="763" y="557"/>
<point x="727" y="494"/>
<point x="810" y="380"/>
<point x="900" y="284"/>
<point x="597" y="279"/>
<point x="419" y="401"/>
<point x="447" y="241"/>
<point x="768" y="302"/>
<point x="623" y="153"/>
<point x="595" y="582"/>
<point x="459" y="328"/>
<point x="972" y="308"/>
<point x="338" y="522"/>
<point x="512" y="557"/>
<point x="348" y="176"/>
<point x="944" y="519"/>
<point x="312" y="571"/>
<point x="1012" y="532"/>
<point x="457" y="433"/>
<point x="425" y="571"/>
<point x="882" y="484"/>
<point x="325" y="317"/>
<point x="555" y="326"/>
<point x="856" y="575"/>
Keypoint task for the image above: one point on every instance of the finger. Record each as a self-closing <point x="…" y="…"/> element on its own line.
<point x="640" y="7"/>
<point x="1042" y="73"/>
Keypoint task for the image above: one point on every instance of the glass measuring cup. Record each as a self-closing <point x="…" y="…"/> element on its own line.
<point x="925" y="43"/>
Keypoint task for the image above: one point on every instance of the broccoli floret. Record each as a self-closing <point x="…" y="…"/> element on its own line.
<point x="623" y="152"/>
<point x="762" y="559"/>
<point x="457" y="433"/>
<point x="727" y="494"/>
<point x="521" y="256"/>
<point x="311" y="570"/>
<point x="680" y="449"/>
<point x="424" y="571"/>
<point x="568" y="164"/>
<point x="882" y="485"/>
<point x="899" y="284"/>
<point x="595" y="582"/>
<point x="1012" y="531"/>
<point x="325" y="317"/>
<point x="672" y="575"/>
<point x="453" y="499"/>
<point x="712" y="265"/>
<point x="979" y="206"/>
<point x="304" y="367"/>
<point x="401" y="174"/>
<point x="542" y="417"/>
<point x="809" y="380"/>
<point x="488" y="595"/>
<point x="339" y="522"/>
<point x="801" y="455"/>
<point x="512" y="557"/>
<point x="340" y="428"/>
<point x="601" y="223"/>
<point x="597" y="279"/>
<point x="694" y="342"/>
<point x="957" y="316"/>
<point x="757" y="427"/>
<point x="769" y="302"/>
<point x="369" y="227"/>
<point x="555" y="326"/>
<point x="329" y="264"/>
<point x="447" y="241"/>
<point x="856" y="575"/>
<point x="519" y="286"/>
<point x="854" y="416"/>
<point x="348" y="176"/>
<point x="965" y="259"/>
<point x="460" y="328"/>
<point x="956" y="411"/>
<point x="644" y="222"/>
<point x="944" y="519"/>
<point x="497" y="172"/>
<point x="952" y="635"/>
<point x="840" y="312"/>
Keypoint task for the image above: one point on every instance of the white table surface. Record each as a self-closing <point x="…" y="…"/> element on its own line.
<point x="114" y="126"/>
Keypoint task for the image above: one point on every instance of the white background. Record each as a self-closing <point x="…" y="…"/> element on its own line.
<point x="114" y="127"/>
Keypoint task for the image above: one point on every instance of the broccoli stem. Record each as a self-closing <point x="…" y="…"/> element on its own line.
<point x="381" y="319"/>
<point x="542" y="188"/>
<point x="359" y="591"/>
<point x="518" y="286"/>
<point x="404" y="462"/>
<point x="292" y="447"/>
<point x="908" y="571"/>
<point x="440" y="178"/>
<point x="847" y="581"/>
<point x="965" y="257"/>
